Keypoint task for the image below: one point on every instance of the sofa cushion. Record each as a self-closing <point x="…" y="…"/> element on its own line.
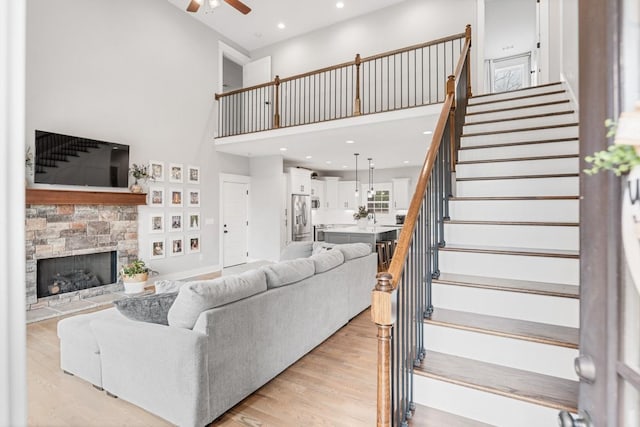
<point x="198" y="296"/>
<point x="296" y="250"/>
<point x="320" y="247"/>
<point x="287" y="272"/>
<point x="354" y="250"/>
<point x="167" y="286"/>
<point x="147" y="308"/>
<point x="327" y="260"/>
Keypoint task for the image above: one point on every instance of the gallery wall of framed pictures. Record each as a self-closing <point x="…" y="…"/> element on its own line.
<point x="174" y="219"/>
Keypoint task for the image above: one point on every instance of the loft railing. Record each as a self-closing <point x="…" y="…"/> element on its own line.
<point x="410" y="77"/>
<point x="402" y="296"/>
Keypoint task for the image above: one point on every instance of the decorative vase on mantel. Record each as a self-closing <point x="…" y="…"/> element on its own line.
<point x="135" y="187"/>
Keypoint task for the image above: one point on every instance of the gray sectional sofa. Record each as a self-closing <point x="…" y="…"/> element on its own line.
<point x="225" y="337"/>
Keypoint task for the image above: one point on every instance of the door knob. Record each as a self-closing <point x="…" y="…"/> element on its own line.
<point x="226" y="231"/>
<point x="565" y="419"/>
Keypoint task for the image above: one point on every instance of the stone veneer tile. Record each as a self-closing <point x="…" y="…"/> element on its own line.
<point x="40" y="314"/>
<point x="33" y="224"/>
<point x="65" y="209"/>
<point x="98" y="228"/>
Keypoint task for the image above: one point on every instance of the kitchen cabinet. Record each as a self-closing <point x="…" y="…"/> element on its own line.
<point x="317" y="194"/>
<point x="347" y="195"/>
<point x="400" y="193"/>
<point x="299" y="181"/>
<point x="331" y="185"/>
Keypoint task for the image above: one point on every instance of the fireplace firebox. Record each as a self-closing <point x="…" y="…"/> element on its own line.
<point x="74" y="273"/>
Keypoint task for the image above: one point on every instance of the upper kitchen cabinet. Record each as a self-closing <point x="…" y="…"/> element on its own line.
<point x="330" y="193"/>
<point x="299" y="181"/>
<point x="317" y="194"/>
<point x="400" y="193"/>
<point x="347" y="195"/>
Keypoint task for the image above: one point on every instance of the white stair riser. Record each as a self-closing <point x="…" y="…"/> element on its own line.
<point x="534" y="90"/>
<point x="528" y="150"/>
<point x="515" y="210"/>
<point x="515" y="236"/>
<point x="523" y="267"/>
<point x="482" y="406"/>
<point x="478" y="108"/>
<point x="514" y="353"/>
<point x="569" y="186"/>
<point x="519" y="124"/>
<point x="515" y="305"/>
<point x="522" y="136"/>
<point x="520" y="112"/>
<point x="517" y="168"/>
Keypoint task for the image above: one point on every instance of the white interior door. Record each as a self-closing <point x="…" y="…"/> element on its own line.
<point x="258" y="104"/>
<point x="235" y="217"/>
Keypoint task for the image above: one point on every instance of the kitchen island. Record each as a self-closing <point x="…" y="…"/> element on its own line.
<point x="355" y="234"/>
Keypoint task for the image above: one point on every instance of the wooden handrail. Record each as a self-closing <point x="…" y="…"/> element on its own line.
<point x="413" y="47"/>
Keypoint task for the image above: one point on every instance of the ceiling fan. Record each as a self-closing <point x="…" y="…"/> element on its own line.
<point x="194" y="5"/>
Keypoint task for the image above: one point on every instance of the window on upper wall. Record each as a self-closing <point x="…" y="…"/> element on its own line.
<point x="379" y="201"/>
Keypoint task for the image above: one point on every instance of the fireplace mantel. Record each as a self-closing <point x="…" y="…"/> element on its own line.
<point x="37" y="196"/>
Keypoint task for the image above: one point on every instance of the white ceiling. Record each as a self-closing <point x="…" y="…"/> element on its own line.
<point x="259" y="27"/>
<point x="393" y="140"/>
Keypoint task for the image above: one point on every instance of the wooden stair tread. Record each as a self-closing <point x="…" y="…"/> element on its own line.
<point x="551" y="253"/>
<point x="519" y="107"/>
<point x="508" y="198"/>
<point x="520" y="159"/>
<point x="543" y="333"/>
<point x="511" y="285"/>
<point x="514" y="144"/>
<point x="528" y="129"/>
<point x="484" y="95"/>
<point x="539" y="389"/>
<point x="516" y="98"/>
<point x="532" y="116"/>
<point x="425" y="416"/>
<point x="525" y="223"/>
<point x="494" y="178"/>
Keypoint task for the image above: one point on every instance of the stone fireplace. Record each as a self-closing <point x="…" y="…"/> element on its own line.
<point x="58" y="236"/>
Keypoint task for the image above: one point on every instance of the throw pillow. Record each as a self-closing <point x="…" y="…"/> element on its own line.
<point x="354" y="250"/>
<point x="296" y="250"/>
<point x="147" y="308"/>
<point x="198" y="296"/>
<point x="287" y="272"/>
<point x="327" y="260"/>
<point x="167" y="286"/>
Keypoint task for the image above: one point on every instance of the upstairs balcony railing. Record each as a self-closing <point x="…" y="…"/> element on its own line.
<point x="409" y="77"/>
<point x="402" y="296"/>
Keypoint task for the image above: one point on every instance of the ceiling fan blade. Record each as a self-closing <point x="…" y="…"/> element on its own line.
<point x="194" y="5"/>
<point x="241" y="7"/>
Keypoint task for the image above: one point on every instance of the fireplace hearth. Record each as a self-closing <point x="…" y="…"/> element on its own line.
<point x="75" y="273"/>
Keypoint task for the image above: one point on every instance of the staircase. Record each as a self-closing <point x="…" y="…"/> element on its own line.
<point x="502" y="338"/>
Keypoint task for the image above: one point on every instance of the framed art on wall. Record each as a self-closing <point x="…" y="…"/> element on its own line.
<point x="193" y="244"/>
<point x="157" y="249"/>
<point x="175" y="221"/>
<point x="177" y="246"/>
<point x="193" y="222"/>
<point x="156" y="196"/>
<point x="176" y="198"/>
<point x="156" y="223"/>
<point x="175" y="172"/>
<point x="193" y="175"/>
<point x="194" y="198"/>
<point x="156" y="169"/>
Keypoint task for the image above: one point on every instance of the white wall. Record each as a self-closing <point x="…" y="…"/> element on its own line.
<point x="569" y="57"/>
<point x="265" y="212"/>
<point x="510" y="27"/>
<point x="141" y="73"/>
<point x="377" y="32"/>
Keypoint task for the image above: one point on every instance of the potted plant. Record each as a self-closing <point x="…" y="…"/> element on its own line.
<point x="28" y="164"/>
<point x="134" y="276"/>
<point x="362" y="216"/>
<point x="138" y="172"/>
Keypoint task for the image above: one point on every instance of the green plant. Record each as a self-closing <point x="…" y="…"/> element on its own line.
<point x="362" y="213"/>
<point x="28" y="158"/>
<point x="134" y="267"/>
<point x="618" y="158"/>
<point x="139" y="172"/>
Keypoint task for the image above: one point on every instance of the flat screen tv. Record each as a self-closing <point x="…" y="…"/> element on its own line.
<point x="73" y="160"/>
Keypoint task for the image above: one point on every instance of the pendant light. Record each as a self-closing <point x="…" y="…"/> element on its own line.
<point x="370" y="192"/>
<point x="357" y="192"/>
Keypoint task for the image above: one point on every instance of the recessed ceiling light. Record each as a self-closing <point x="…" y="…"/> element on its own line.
<point x="283" y="149"/>
<point x="344" y="166"/>
<point x="350" y="141"/>
<point x="427" y="132"/>
<point x="328" y="162"/>
<point x="308" y="157"/>
<point x="405" y="162"/>
<point x="340" y="5"/>
<point x="281" y="25"/>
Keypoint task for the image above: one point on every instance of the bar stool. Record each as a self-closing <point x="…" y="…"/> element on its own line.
<point x="389" y="249"/>
<point x="381" y="249"/>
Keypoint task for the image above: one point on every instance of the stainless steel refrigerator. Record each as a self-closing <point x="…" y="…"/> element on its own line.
<point x="301" y="217"/>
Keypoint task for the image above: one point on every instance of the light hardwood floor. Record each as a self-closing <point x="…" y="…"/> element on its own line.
<point x="333" y="385"/>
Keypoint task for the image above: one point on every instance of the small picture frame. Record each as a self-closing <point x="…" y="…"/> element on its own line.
<point x="176" y="172"/>
<point x="157" y="249"/>
<point x="193" y="244"/>
<point x="175" y="222"/>
<point x="193" y="174"/>
<point x="193" y="221"/>
<point x="177" y="246"/>
<point x="175" y="200"/>
<point x="156" y="196"/>
<point x="156" y="169"/>
<point x="194" y="198"/>
<point x="156" y="223"/>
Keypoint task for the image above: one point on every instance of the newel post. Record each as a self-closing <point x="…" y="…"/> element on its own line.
<point x="383" y="316"/>
<point x="451" y="90"/>
<point x="356" y="105"/>
<point x="467" y="36"/>
<point x="276" y="114"/>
